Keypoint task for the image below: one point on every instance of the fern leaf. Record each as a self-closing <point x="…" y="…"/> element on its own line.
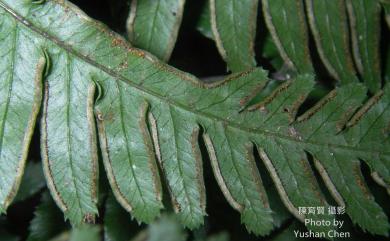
<point x="68" y="138"/>
<point x="369" y="129"/>
<point x="154" y="25"/>
<point x="47" y="222"/>
<point x="203" y="24"/>
<point x="167" y="228"/>
<point x="179" y="156"/>
<point x="113" y="215"/>
<point x="287" y="25"/>
<point x="32" y="182"/>
<point x="328" y="22"/>
<point x="271" y="53"/>
<point x="146" y="107"/>
<point x="342" y="173"/>
<point x="365" y="40"/>
<point x="233" y="24"/>
<point x="85" y="232"/>
<point x="20" y="101"/>
<point x="135" y="182"/>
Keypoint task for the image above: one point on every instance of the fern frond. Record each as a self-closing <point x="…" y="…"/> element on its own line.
<point x="154" y="25"/>
<point x="328" y="22"/>
<point x="233" y="23"/>
<point x="365" y="41"/>
<point x="148" y="113"/>
<point x="289" y="32"/>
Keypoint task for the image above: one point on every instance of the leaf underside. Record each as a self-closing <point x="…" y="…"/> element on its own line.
<point x="154" y="25"/>
<point x="149" y="114"/>
<point x="328" y="22"/>
<point x="289" y="23"/>
<point x="48" y="220"/>
<point x="364" y="16"/>
<point x="233" y="23"/>
<point x="286" y="21"/>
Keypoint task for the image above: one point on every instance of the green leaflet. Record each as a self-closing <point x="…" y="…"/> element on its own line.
<point x="178" y="152"/>
<point x="282" y="215"/>
<point x="365" y="25"/>
<point x="286" y="21"/>
<point x="234" y="28"/>
<point x="238" y="177"/>
<point x="21" y="73"/>
<point x="113" y="216"/>
<point x="370" y="129"/>
<point x="128" y="151"/>
<point x="168" y="107"/>
<point x="68" y="138"/>
<point x="281" y="158"/>
<point x="32" y="182"/>
<point x="81" y="233"/>
<point x="48" y="220"/>
<point x="167" y="228"/>
<point x="204" y="25"/>
<point x="85" y="232"/>
<point x="271" y="52"/>
<point x="153" y="25"/>
<point x="341" y="173"/>
<point x="328" y="22"/>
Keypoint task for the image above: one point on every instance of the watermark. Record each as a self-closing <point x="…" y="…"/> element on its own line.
<point x="331" y="210"/>
<point x="321" y="218"/>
